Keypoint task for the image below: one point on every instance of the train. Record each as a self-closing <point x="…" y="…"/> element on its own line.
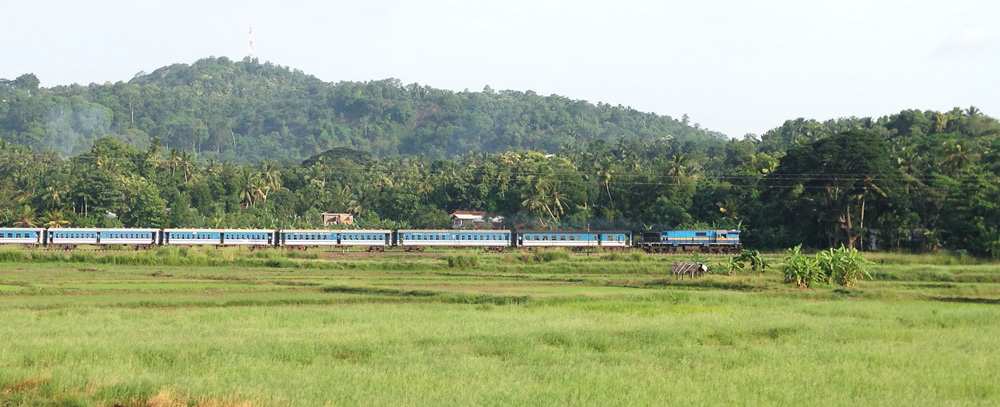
<point x="378" y="240"/>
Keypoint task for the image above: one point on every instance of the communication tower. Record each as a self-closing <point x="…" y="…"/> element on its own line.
<point x="251" y="42"/>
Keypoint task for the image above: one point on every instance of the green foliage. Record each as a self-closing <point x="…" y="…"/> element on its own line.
<point x="250" y="111"/>
<point x="840" y="266"/>
<point x="843" y="266"/>
<point x="462" y="261"/>
<point x="589" y="330"/>
<point x="749" y="261"/>
<point x="165" y="150"/>
<point x="800" y="270"/>
<point x="543" y="255"/>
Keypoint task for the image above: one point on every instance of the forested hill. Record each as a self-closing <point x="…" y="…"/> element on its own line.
<point x="249" y="111"/>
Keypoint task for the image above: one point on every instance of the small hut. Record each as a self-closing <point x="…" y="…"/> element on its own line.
<point x="687" y="268"/>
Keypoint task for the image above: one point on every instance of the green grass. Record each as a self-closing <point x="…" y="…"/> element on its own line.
<point x="510" y="329"/>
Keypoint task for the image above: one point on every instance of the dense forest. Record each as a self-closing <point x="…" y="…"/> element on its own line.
<point x="915" y="180"/>
<point x="247" y="111"/>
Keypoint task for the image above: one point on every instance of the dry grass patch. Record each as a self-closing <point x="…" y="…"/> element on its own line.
<point x="26" y="385"/>
<point x="167" y="398"/>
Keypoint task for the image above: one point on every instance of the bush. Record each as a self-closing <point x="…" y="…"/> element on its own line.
<point x="843" y="267"/>
<point x="800" y="269"/>
<point x="460" y="261"/>
<point x="545" y="256"/>
<point x="834" y="266"/>
<point x="12" y="257"/>
<point x="748" y="260"/>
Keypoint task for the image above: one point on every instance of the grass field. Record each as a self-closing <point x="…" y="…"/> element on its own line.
<point x="229" y="328"/>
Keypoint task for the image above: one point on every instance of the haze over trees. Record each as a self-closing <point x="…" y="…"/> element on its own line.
<point x="246" y="111"/>
<point x="243" y="144"/>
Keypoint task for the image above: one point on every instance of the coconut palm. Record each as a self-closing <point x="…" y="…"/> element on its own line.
<point x="25" y="218"/>
<point x="678" y="167"/>
<point x="956" y="160"/>
<point x="53" y="196"/>
<point x="55" y="219"/>
<point x="187" y="164"/>
<point x="270" y="175"/>
<point x="605" y="172"/>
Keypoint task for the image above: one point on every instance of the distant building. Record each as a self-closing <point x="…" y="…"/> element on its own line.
<point x="475" y="220"/>
<point x="466" y="219"/>
<point x="337" y="218"/>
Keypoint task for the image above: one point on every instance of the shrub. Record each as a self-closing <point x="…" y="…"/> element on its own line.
<point x="748" y="260"/>
<point x="800" y="269"/>
<point x="545" y="256"/>
<point x="843" y="267"/>
<point x="12" y="257"/>
<point x="460" y="261"/>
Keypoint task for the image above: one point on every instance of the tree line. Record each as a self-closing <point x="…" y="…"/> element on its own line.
<point x="911" y="181"/>
<point x="247" y="111"/>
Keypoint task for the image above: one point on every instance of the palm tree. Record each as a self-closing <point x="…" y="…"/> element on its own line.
<point x="359" y="204"/>
<point x="424" y="187"/>
<point x="556" y="198"/>
<point x="213" y="168"/>
<point x="730" y="208"/>
<point x="259" y="189"/>
<point x="53" y="196"/>
<point x="187" y="165"/>
<point x="270" y="175"/>
<point x="956" y="160"/>
<point x="678" y="167"/>
<point x="605" y="171"/>
<point x="247" y="182"/>
<point x="25" y="218"/>
<point x="155" y="153"/>
<point x="55" y="219"/>
<point x="174" y="160"/>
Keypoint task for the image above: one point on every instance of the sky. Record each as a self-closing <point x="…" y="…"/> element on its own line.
<point x="736" y="67"/>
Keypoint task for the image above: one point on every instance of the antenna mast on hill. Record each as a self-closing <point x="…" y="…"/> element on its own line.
<point x="251" y="42"/>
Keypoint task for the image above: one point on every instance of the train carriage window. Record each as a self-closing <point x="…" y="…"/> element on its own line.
<point x="562" y="237"/>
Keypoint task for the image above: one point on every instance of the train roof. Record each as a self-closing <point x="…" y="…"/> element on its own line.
<point x="337" y="230"/>
<point x="104" y="229"/>
<point x="24" y="229"/>
<point x="693" y="230"/>
<point x="593" y="231"/>
<point x="221" y="230"/>
<point x="453" y="231"/>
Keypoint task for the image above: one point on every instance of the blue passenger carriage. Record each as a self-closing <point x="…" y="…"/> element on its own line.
<point x="707" y="241"/>
<point x="187" y="237"/>
<point x="371" y="240"/>
<point x="376" y="240"/>
<point x="573" y="238"/>
<point x="71" y="236"/>
<point x="248" y="237"/>
<point x="495" y="240"/>
<point x="128" y="237"/>
<point x="26" y="236"/>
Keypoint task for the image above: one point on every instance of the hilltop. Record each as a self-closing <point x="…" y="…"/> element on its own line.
<point x="246" y="111"/>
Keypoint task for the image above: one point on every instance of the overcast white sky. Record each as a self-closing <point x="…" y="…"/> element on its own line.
<point x="734" y="66"/>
